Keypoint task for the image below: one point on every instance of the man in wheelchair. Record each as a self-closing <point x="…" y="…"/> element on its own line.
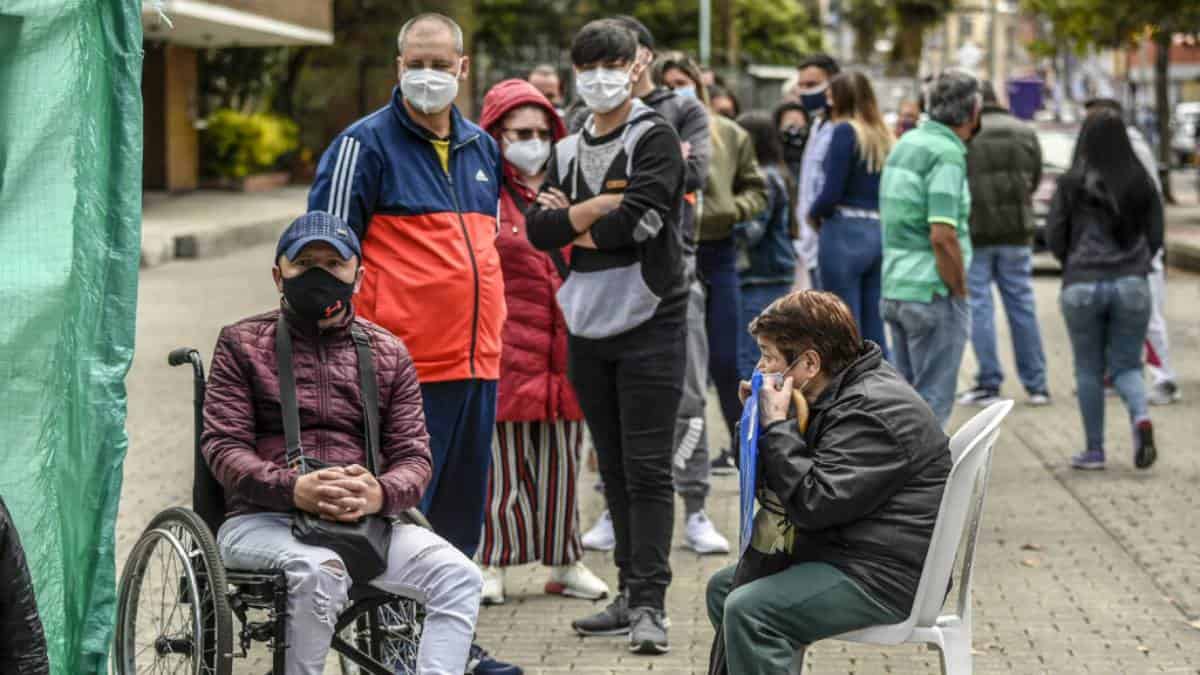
<point x="317" y="271"/>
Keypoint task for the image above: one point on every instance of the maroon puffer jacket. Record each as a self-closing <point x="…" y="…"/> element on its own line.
<point x="243" y="424"/>
<point x="533" y="361"/>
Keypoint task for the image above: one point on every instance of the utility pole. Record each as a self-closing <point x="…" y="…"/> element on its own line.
<point x="705" y="32"/>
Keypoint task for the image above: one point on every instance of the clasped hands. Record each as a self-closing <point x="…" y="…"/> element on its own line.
<point x="586" y="212"/>
<point x="339" y="493"/>
<point x="774" y="400"/>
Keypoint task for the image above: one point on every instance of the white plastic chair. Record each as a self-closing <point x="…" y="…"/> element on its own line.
<point x="971" y="454"/>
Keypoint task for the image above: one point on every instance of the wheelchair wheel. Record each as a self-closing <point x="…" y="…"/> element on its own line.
<point x="390" y="633"/>
<point x="172" y="609"/>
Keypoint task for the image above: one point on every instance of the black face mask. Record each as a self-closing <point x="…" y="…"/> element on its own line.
<point x="317" y="294"/>
<point x="793" y="139"/>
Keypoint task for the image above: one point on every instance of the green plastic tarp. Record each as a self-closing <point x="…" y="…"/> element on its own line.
<point x="70" y="219"/>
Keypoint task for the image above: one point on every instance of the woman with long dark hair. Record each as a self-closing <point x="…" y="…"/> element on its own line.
<point x="847" y="208"/>
<point x="766" y="260"/>
<point x="1105" y="225"/>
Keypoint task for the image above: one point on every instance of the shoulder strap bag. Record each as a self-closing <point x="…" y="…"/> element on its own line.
<point x="362" y="545"/>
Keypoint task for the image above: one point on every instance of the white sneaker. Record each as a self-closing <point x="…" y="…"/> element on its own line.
<point x="1163" y="393"/>
<point x="702" y="537"/>
<point x="493" y="586"/>
<point x="576" y="581"/>
<point x="601" y="537"/>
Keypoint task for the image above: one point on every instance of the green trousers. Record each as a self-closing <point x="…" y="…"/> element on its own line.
<point x="766" y="621"/>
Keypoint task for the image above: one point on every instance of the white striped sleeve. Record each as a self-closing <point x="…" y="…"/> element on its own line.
<point x="341" y="186"/>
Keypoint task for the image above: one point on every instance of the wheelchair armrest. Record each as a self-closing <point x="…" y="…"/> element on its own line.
<point x="414" y="517"/>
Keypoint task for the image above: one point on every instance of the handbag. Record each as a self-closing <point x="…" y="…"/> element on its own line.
<point x="362" y="545"/>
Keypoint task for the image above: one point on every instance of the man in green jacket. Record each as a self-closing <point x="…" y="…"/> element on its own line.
<point x="1004" y="166"/>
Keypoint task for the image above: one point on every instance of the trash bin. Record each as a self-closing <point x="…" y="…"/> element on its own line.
<point x="1025" y="96"/>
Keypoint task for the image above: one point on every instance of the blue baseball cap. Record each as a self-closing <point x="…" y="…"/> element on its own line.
<point x="318" y="226"/>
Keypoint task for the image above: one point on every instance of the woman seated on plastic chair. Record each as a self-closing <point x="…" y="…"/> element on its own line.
<point x="852" y="464"/>
<point x="317" y="271"/>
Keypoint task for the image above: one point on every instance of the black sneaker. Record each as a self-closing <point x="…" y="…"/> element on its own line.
<point x="1146" y="453"/>
<point x="648" y="631"/>
<point x="724" y="465"/>
<point x="979" y="397"/>
<point x="613" y="620"/>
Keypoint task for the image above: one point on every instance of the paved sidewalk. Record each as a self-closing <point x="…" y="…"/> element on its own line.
<point x="210" y="223"/>
<point x="1076" y="572"/>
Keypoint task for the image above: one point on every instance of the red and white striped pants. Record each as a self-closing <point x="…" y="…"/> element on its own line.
<point x="532" y="510"/>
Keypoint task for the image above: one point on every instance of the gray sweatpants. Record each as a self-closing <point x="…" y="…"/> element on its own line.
<point x="690" y="465"/>
<point x="421" y="566"/>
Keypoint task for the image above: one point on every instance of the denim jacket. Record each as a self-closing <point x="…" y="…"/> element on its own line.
<point x="765" y="247"/>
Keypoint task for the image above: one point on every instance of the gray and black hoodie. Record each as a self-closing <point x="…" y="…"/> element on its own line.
<point x="636" y="274"/>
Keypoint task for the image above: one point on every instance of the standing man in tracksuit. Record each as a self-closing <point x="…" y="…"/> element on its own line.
<point x="689" y="464"/>
<point x="420" y="184"/>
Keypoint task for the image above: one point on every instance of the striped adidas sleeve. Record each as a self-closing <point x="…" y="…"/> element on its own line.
<point x="347" y="182"/>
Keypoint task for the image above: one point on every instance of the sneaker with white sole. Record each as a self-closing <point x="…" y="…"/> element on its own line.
<point x="576" y="581"/>
<point x="1164" y="393"/>
<point x="724" y="464"/>
<point x="493" y="586"/>
<point x="1037" y="399"/>
<point x="601" y="537"/>
<point x="701" y="535"/>
<point x="979" y="397"/>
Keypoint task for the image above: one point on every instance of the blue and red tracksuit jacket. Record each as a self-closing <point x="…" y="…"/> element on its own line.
<point x="432" y="273"/>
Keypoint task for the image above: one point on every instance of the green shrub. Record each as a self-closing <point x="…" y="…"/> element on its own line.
<point x="236" y="144"/>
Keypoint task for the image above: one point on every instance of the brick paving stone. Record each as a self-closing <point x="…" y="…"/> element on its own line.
<point x="1115" y="567"/>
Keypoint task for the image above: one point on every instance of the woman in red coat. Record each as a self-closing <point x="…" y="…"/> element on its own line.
<point x="532" y="506"/>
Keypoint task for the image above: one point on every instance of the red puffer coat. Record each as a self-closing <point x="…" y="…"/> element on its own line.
<point x="243" y="424"/>
<point x="533" y="362"/>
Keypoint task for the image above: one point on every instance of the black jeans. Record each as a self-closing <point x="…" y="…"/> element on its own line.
<point x="629" y="387"/>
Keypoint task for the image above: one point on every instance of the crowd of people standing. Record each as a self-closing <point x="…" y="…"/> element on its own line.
<point x="589" y="270"/>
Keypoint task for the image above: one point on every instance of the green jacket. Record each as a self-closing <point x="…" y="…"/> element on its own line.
<point x="1004" y="166"/>
<point x="736" y="190"/>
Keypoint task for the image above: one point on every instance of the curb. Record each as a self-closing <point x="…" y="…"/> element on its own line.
<point x="159" y="248"/>
<point x="1184" y="255"/>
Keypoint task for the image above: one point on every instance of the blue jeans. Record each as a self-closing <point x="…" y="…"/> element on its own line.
<point x="851" y="268"/>
<point x="928" y="341"/>
<point x="1107" y="322"/>
<point x="717" y="264"/>
<point x="755" y="299"/>
<point x="1010" y="268"/>
<point x="461" y="418"/>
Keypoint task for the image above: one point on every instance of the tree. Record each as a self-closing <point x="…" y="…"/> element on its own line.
<point x="912" y="19"/>
<point x="870" y="20"/>
<point x="1122" y="24"/>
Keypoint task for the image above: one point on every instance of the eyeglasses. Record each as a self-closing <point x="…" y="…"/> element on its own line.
<point x="528" y="134"/>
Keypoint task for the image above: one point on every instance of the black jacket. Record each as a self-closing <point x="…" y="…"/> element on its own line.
<point x="1082" y="225"/>
<point x="22" y="642"/>
<point x="864" y="484"/>
<point x="1004" y="167"/>
<point x="637" y="270"/>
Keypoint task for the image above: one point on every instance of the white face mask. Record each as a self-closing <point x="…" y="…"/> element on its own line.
<point x="603" y="89"/>
<point x="528" y="156"/>
<point x="776" y="379"/>
<point x="428" y="90"/>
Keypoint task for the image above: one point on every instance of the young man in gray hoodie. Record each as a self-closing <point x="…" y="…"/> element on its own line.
<point x="689" y="464"/>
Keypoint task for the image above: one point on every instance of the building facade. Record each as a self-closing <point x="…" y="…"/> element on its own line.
<point x="174" y="32"/>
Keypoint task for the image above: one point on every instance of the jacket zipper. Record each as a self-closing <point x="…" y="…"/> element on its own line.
<point x="321" y="394"/>
<point x="470" y="248"/>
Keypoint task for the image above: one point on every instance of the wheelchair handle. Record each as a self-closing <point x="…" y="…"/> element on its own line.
<point x="182" y="355"/>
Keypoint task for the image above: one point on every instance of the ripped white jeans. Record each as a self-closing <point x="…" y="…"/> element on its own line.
<point x="421" y="566"/>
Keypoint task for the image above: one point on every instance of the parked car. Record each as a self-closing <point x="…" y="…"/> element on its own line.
<point x="1058" y="146"/>
<point x="1185" y="123"/>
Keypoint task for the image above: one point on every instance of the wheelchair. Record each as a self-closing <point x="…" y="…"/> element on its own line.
<point x="177" y="602"/>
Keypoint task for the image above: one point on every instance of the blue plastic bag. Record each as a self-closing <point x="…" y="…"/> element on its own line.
<point x="748" y="459"/>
